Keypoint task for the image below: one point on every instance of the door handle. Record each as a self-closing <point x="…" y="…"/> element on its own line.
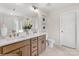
<point x="61" y="30"/>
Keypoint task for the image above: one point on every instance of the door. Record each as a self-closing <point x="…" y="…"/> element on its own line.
<point x="67" y="29"/>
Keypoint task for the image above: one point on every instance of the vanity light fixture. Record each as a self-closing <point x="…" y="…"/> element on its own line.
<point x="13" y="12"/>
<point x="35" y="8"/>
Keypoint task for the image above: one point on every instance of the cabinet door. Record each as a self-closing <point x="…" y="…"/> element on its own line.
<point x="25" y="50"/>
<point x="41" y="44"/>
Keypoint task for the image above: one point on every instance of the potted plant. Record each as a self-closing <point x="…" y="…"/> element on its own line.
<point x="27" y="26"/>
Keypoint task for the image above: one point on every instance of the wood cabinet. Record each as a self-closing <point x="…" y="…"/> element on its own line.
<point x="26" y="49"/>
<point x="14" y="46"/>
<point x="41" y="44"/>
<point x="17" y="49"/>
<point x="29" y="47"/>
<point x="23" y="51"/>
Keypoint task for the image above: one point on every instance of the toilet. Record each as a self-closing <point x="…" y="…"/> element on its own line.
<point x="50" y="42"/>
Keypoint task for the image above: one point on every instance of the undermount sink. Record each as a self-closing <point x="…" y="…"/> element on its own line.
<point x="18" y="37"/>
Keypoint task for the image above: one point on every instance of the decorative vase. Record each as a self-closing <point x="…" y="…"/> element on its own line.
<point x="27" y="31"/>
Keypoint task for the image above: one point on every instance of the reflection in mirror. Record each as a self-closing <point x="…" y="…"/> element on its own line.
<point x="20" y="20"/>
<point x="10" y="24"/>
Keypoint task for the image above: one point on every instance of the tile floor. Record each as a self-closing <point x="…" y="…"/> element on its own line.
<point x="60" y="51"/>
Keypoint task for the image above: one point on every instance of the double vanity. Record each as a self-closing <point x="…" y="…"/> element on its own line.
<point x="30" y="45"/>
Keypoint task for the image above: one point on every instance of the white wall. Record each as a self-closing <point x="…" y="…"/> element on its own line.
<point x="54" y="21"/>
<point x="53" y="27"/>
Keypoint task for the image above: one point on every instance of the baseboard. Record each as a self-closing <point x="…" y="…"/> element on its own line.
<point x="58" y="45"/>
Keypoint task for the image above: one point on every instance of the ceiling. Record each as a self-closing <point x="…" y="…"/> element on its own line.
<point x="24" y="9"/>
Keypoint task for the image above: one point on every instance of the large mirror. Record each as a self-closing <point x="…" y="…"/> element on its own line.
<point x="9" y="23"/>
<point x="17" y="24"/>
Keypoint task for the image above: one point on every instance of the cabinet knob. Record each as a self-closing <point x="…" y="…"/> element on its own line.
<point x="34" y="46"/>
<point x="42" y="41"/>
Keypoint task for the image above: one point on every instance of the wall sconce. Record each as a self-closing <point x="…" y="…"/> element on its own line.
<point x="35" y="8"/>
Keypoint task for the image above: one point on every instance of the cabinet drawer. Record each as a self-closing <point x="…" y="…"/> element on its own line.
<point x="34" y="53"/>
<point x="42" y="37"/>
<point x="14" y="46"/>
<point x="33" y="40"/>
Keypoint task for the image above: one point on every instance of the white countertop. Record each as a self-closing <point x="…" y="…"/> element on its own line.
<point x="7" y="41"/>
